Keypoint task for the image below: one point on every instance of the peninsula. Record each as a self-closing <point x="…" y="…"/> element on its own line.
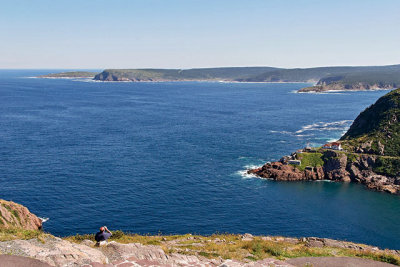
<point x="324" y="78"/>
<point x="369" y="152"/>
<point x="69" y="75"/>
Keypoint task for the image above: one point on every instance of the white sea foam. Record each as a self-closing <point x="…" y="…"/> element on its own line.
<point x="280" y="132"/>
<point x="326" y="93"/>
<point x="43" y="219"/>
<point x="246" y="175"/>
<point x="331" y="140"/>
<point x="86" y="80"/>
<point x="325" y="126"/>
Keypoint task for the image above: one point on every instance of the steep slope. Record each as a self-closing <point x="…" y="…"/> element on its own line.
<point x="13" y="215"/>
<point x="377" y="129"/>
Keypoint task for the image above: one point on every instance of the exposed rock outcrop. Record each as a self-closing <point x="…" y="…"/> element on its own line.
<point x="57" y="252"/>
<point x="54" y="251"/>
<point x="13" y="215"/>
<point x="337" y="167"/>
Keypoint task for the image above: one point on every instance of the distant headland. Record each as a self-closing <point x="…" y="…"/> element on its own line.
<point x="325" y="78"/>
<point x="69" y="75"/>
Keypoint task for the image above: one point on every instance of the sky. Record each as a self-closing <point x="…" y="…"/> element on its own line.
<point x="98" y="34"/>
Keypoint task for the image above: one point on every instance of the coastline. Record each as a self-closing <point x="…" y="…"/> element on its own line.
<point x="299" y="91"/>
<point x="167" y="81"/>
<point x="343" y="91"/>
<point x="318" y="164"/>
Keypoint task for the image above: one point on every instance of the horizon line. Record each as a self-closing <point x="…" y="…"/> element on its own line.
<point x="248" y="66"/>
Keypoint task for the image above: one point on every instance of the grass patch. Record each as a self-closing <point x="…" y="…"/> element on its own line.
<point x="231" y="246"/>
<point x="310" y="160"/>
<point x="7" y="234"/>
<point x="351" y="158"/>
<point x="125" y="238"/>
<point x="208" y="255"/>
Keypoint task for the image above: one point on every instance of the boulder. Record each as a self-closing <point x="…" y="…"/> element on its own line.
<point x="247" y="237"/>
<point x="54" y="251"/>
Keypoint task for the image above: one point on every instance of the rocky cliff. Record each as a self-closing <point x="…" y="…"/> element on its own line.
<point x="13" y="215"/>
<point x="337" y="166"/>
<point x="371" y="154"/>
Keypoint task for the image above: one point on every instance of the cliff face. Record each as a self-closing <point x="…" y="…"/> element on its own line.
<point x="337" y="166"/>
<point x="13" y="215"/>
<point x="107" y="76"/>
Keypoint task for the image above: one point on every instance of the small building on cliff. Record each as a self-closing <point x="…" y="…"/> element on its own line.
<point x="333" y="145"/>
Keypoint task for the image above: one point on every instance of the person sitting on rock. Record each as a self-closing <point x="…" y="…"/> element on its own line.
<point x="102" y="236"/>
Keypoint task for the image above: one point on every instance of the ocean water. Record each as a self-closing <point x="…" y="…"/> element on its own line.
<point x="170" y="158"/>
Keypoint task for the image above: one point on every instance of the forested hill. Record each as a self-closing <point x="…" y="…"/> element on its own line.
<point x="204" y="74"/>
<point x="364" y="78"/>
<point x="325" y="78"/>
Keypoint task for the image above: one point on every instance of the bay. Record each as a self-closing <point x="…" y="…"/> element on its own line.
<point x="170" y="158"/>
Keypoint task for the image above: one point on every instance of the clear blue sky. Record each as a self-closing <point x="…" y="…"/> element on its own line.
<point x="203" y="33"/>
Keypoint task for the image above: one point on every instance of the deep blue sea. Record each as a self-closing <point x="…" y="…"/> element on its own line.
<point x="169" y="158"/>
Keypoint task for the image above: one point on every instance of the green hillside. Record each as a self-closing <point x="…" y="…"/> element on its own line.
<point x="366" y="78"/>
<point x="226" y="74"/>
<point x="326" y="78"/>
<point x="321" y="73"/>
<point x="377" y="129"/>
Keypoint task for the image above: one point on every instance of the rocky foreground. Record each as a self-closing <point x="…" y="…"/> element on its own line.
<point x="337" y="166"/>
<point x="54" y="251"/>
<point x="23" y="244"/>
